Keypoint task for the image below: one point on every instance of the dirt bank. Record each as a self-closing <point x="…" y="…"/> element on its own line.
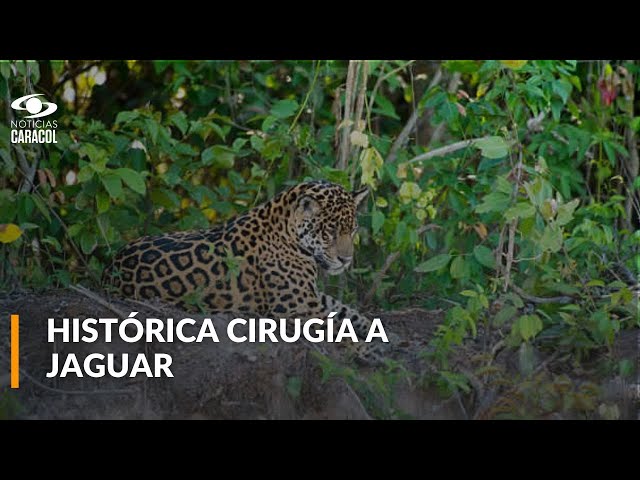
<point x="228" y="380"/>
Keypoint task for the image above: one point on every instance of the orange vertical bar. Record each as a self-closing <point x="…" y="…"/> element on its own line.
<point x="15" y="352"/>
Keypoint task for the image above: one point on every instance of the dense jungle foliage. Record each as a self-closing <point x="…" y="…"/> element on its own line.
<point x="504" y="192"/>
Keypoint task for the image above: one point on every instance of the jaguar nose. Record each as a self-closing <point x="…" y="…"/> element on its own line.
<point x="345" y="260"/>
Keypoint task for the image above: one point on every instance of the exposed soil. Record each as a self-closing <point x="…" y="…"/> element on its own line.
<point x="229" y="380"/>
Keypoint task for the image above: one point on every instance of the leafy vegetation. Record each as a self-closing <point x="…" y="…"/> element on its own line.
<point x="503" y="191"/>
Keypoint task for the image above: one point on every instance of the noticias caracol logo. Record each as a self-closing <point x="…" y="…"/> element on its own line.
<point x="34" y="105"/>
<point x="29" y="129"/>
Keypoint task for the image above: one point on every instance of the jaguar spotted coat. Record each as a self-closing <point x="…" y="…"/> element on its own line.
<point x="264" y="262"/>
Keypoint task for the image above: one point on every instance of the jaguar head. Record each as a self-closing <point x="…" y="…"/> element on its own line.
<point x="326" y="222"/>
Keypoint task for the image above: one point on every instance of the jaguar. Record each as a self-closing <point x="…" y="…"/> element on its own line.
<point x="263" y="262"/>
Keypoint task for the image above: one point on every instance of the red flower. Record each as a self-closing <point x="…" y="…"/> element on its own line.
<point x="608" y="91"/>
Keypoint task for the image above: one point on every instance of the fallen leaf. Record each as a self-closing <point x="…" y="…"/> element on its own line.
<point x="514" y="64"/>
<point x="359" y="139"/>
<point x="481" y="230"/>
<point x="9" y="232"/>
<point x="42" y="177"/>
<point x="51" y="177"/>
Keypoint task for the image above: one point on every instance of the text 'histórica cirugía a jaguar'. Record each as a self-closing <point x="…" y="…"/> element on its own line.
<point x="131" y="330"/>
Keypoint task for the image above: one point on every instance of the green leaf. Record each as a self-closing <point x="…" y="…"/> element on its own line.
<point x="547" y="210"/>
<point x="85" y="174"/>
<point x="257" y="143"/>
<point x="74" y="230"/>
<point x="503" y="185"/>
<point x="625" y="368"/>
<point x="88" y="242"/>
<point x="386" y="107"/>
<point x="533" y="91"/>
<point x="219" y="156"/>
<point x="435" y="263"/>
<point x="484" y="256"/>
<point x="620" y="149"/>
<point x="529" y="326"/>
<point x="562" y="88"/>
<point x="556" y="108"/>
<point x="377" y="220"/>
<point x="20" y="66"/>
<point x="520" y="210"/>
<point x="161" y="65"/>
<point x="575" y="81"/>
<point x="515" y="299"/>
<point x="102" y="202"/>
<point x="563" y="288"/>
<point x="185" y="149"/>
<point x="462" y="66"/>
<point x="133" y="179"/>
<point x="505" y="314"/>
<point x="294" y="386"/>
<point x="514" y="64"/>
<point x="153" y="129"/>
<point x="217" y="129"/>
<point x="28" y="226"/>
<point x="96" y="155"/>
<point x="5" y="69"/>
<point x="492" y="147"/>
<point x="484" y="301"/>
<point x="112" y="184"/>
<point x="605" y="326"/>
<point x="53" y="242"/>
<point x="551" y="238"/>
<point x="268" y="122"/>
<point x="565" y="212"/>
<point x="493" y="202"/>
<point x="457" y="269"/>
<point x="165" y="198"/>
<point x="137" y="159"/>
<point x="401" y="232"/>
<point x="284" y="108"/>
<point x="125" y="117"/>
<point x="179" y="119"/>
<point x="42" y="207"/>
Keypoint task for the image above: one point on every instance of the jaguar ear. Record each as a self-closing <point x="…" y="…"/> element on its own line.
<point x="307" y="207"/>
<point x="359" y="195"/>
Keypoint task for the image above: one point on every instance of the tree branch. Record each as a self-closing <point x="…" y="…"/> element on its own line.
<point x="74" y="72"/>
<point x="362" y="81"/>
<point x="442" y="151"/>
<point x="345" y="143"/>
<point x="382" y="78"/>
<point x="541" y="300"/>
<point x="402" y="139"/>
